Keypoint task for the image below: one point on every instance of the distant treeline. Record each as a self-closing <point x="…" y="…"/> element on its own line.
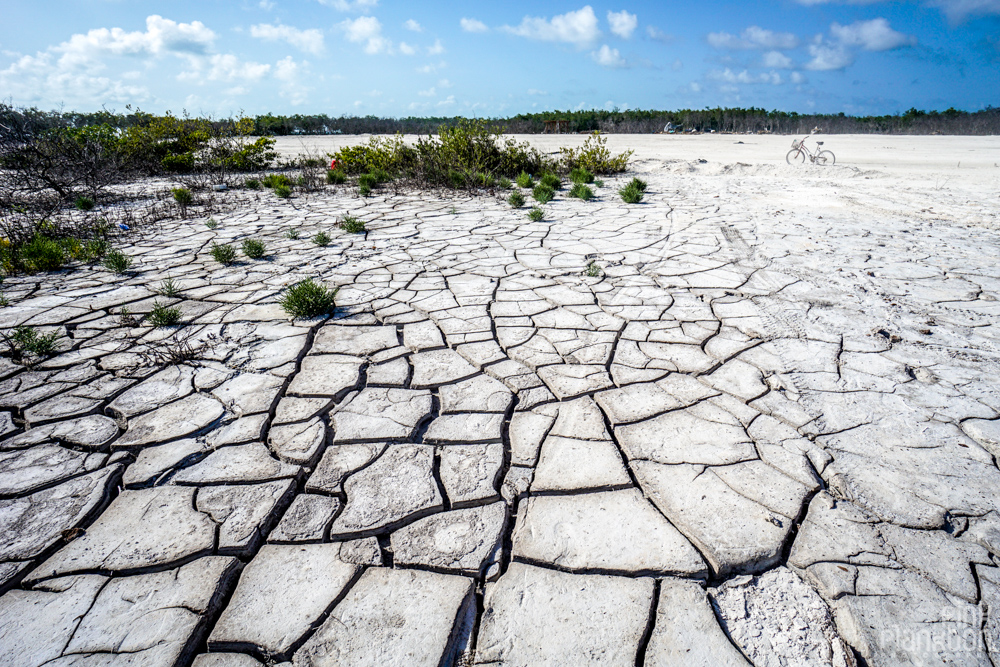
<point x="914" y="121"/>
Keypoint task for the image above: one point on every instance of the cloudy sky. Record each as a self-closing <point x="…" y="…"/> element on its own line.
<point x="444" y="58"/>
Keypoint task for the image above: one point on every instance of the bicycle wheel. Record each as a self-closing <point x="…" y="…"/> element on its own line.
<point x="826" y="158"/>
<point x="795" y="156"/>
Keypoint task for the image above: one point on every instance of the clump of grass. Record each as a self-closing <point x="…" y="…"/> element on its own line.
<point x="352" y="225"/>
<point x="212" y="223"/>
<point x="253" y="248"/>
<point x="543" y="193"/>
<point x="84" y="204"/>
<point x="183" y="197"/>
<point x="322" y="239"/>
<point x="223" y="253"/>
<point x="516" y="199"/>
<point x="274" y="180"/>
<point x="283" y="191"/>
<point x="335" y="176"/>
<point x="117" y="261"/>
<point x="638" y="184"/>
<point x="364" y="189"/>
<point x="485" y="179"/>
<point x="308" y="299"/>
<point x="595" y="157"/>
<point x="593" y="270"/>
<point x="581" y="175"/>
<point x="168" y="288"/>
<point x="551" y="180"/>
<point x="125" y="317"/>
<point x="292" y="234"/>
<point x="161" y="316"/>
<point x="504" y="183"/>
<point x="25" y="341"/>
<point x="599" y="183"/>
<point x="42" y="254"/>
<point x="523" y="180"/>
<point x="252" y="183"/>
<point x="581" y="191"/>
<point x="536" y="214"/>
<point x="630" y="194"/>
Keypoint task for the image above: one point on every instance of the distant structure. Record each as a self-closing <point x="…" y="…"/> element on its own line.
<point x="556" y="126"/>
<point x="671" y="128"/>
<point x="816" y="130"/>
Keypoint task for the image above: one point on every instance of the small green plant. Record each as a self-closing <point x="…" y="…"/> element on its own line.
<point x="168" y="288"/>
<point x="581" y="175"/>
<point x="516" y="199"/>
<point x="581" y="191"/>
<point x="223" y="253"/>
<point x="335" y="176"/>
<point x="84" y="204"/>
<point x="117" y="262"/>
<point x="524" y="180"/>
<point x="301" y="181"/>
<point x="25" y="341"/>
<point x="453" y="211"/>
<point x="42" y="254"/>
<point x="183" y="197"/>
<point x="352" y="225"/>
<point x="364" y="189"/>
<point x="536" y="214"/>
<point x="3" y="299"/>
<point x="485" y="180"/>
<point x="253" y="248"/>
<point x="125" y="318"/>
<point x="212" y="223"/>
<point x="252" y="183"/>
<point x="599" y="183"/>
<point x="638" y="184"/>
<point x="595" y="157"/>
<point x="282" y="191"/>
<point x="292" y="234"/>
<point x="274" y="180"/>
<point x="593" y="270"/>
<point x="308" y="299"/>
<point x="161" y="316"/>
<point x="322" y="239"/>
<point x="504" y="183"/>
<point x="95" y="249"/>
<point x="380" y="175"/>
<point x="369" y="181"/>
<point x="543" y="193"/>
<point x="630" y="194"/>
<point x="552" y="181"/>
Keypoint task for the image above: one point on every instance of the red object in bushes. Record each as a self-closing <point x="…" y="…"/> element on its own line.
<point x="333" y="164"/>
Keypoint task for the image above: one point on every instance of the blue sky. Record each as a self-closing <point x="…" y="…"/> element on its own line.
<point x="395" y="58"/>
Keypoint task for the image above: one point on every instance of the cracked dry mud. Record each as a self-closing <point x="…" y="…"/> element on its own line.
<point x="761" y="437"/>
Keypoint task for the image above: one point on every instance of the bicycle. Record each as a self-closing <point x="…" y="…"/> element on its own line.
<point x="799" y="153"/>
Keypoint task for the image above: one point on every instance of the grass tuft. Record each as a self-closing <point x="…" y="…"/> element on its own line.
<point x="322" y="239"/>
<point x="253" y="248"/>
<point x="581" y="191"/>
<point x="25" y="341"/>
<point x="552" y="181"/>
<point x="536" y="214"/>
<point x="168" y="288"/>
<point x="524" y="180"/>
<point x="117" y="261"/>
<point x="335" y="176"/>
<point x="516" y="199"/>
<point x="84" y="204"/>
<point x="630" y="194"/>
<point x="223" y="253"/>
<point x="543" y="193"/>
<point x="252" y="183"/>
<point x="309" y="299"/>
<point x="292" y="234"/>
<point x="161" y="316"/>
<point x="638" y="184"/>
<point x="283" y="191"/>
<point x="352" y="225"/>
<point x="581" y="175"/>
<point x="593" y="270"/>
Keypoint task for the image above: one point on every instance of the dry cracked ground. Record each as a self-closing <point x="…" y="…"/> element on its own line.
<point x="764" y="435"/>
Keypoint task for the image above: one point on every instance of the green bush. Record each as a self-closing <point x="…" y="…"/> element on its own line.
<point x="485" y="180"/>
<point x="516" y="199"/>
<point x="274" y="180"/>
<point x="40" y="254"/>
<point x="117" y="262"/>
<point x="322" y="239"/>
<point x="182" y="196"/>
<point x="95" y="249"/>
<point x="630" y="194"/>
<point x="161" y="316"/>
<point x="364" y="189"/>
<point x="282" y="191"/>
<point x="581" y="191"/>
<point x="638" y="184"/>
<point x="182" y="163"/>
<point x="252" y="183"/>
<point x="253" y="248"/>
<point x="504" y="183"/>
<point x="223" y="253"/>
<point x="551" y="180"/>
<point x="593" y="270"/>
<point x="595" y="157"/>
<point x="25" y="341"/>
<point x="168" y="288"/>
<point x="308" y="299"/>
<point x="369" y="181"/>
<point x="212" y="223"/>
<point x="524" y="180"/>
<point x="335" y="176"/>
<point x="536" y="214"/>
<point x="581" y="175"/>
<point x="543" y="193"/>
<point x="84" y="204"/>
<point x="292" y="234"/>
<point x="352" y="225"/>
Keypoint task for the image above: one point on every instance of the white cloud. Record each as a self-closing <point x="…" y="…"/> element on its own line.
<point x="350" y="5"/>
<point x="579" y="28"/>
<point x="622" y="23"/>
<point x="413" y="25"/>
<point x="437" y="49"/>
<point x="753" y="37"/>
<point x="266" y="5"/>
<point x="874" y="35"/>
<point x="608" y="57"/>
<point x="695" y="87"/>
<point x="366" y="30"/>
<point x="224" y="67"/>
<point x="430" y="92"/>
<point x="776" y="60"/>
<point x="959" y="10"/>
<point x="731" y="77"/>
<point x="445" y="83"/>
<point x="162" y="36"/>
<point x="826" y="56"/>
<point x="290" y="74"/>
<point x="656" y="34"/>
<point x="447" y="102"/>
<point x="430" y="68"/>
<point x="473" y="25"/>
<point x="406" y="49"/>
<point x="535" y="91"/>
<point x="309" y="41"/>
<point x="797" y="77"/>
